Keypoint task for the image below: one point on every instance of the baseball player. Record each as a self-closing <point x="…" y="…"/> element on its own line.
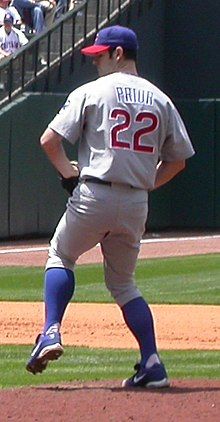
<point x="131" y="140"/>
<point x="10" y="38"/>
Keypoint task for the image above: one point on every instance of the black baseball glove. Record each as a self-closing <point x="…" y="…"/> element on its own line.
<point x="70" y="183"/>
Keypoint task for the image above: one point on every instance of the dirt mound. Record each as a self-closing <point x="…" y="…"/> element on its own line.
<point x="108" y="402"/>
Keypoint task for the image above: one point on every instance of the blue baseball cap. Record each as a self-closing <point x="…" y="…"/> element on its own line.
<point x="113" y="36"/>
<point x="8" y="18"/>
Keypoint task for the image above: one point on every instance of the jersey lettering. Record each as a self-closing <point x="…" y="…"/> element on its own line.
<point x="145" y="131"/>
<point x="119" y="128"/>
<point x="136" y="142"/>
<point x="131" y="95"/>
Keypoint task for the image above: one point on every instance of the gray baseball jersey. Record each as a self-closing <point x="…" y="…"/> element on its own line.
<point x="124" y="125"/>
<point x="12" y="41"/>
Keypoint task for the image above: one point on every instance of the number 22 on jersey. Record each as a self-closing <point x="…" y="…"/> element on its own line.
<point x="136" y="143"/>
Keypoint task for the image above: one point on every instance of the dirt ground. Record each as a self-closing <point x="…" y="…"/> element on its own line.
<point x="177" y="327"/>
<point x="101" y="325"/>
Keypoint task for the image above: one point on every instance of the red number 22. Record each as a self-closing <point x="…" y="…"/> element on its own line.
<point x="136" y="142"/>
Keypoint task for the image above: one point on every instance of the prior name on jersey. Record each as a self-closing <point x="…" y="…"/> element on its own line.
<point x="131" y="95"/>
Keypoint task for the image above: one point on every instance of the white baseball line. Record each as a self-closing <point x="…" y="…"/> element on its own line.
<point x="143" y="241"/>
<point x="21" y="250"/>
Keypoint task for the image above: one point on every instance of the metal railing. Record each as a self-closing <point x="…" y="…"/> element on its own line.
<point x="49" y="49"/>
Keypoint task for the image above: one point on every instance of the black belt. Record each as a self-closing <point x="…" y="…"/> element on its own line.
<point x="96" y="180"/>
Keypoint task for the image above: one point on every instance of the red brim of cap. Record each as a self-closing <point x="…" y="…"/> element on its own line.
<point x="94" y="50"/>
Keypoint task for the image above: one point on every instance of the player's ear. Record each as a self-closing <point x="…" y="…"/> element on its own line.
<point x="119" y="53"/>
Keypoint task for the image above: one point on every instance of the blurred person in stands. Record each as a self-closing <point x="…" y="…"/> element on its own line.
<point x="62" y="7"/>
<point x="41" y="12"/>
<point x="5" y="7"/>
<point x="49" y="9"/>
<point x="11" y="38"/>
<point x="74" y="3"/>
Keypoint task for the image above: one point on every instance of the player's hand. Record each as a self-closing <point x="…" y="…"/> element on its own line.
<point x="70" y="183"/>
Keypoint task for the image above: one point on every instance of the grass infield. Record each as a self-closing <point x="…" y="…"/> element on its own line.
<point x="87" y="364"/>
<point x="182" y="280"/>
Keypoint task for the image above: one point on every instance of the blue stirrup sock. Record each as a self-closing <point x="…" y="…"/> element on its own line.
<point x="59" y="285"/>
<point x="138" y="318"/>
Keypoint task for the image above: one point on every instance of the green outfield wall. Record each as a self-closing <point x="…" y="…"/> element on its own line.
<point x="32" y="201"/>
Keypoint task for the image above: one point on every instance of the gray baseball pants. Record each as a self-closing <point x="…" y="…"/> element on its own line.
<point x="113" y="216"/>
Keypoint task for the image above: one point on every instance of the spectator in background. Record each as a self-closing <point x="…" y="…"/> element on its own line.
<point x="61" y="8"/>
<point x="74" y="3"/>
<point x="36" y="13"/>
<point x="5" y="6"/>
<point x="49" y="8"/>
<point x="11" y="39"/>
<point x="41" y="12"/>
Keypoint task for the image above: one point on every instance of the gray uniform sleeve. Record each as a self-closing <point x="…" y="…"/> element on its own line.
<point x="70" y="119"/>
<point x="177" y="144"/>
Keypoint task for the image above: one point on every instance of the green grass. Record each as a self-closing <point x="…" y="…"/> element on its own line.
<point x="182" y="280"/>
<point x="86" y="364"/>
<point x="185" y="280"/>
<point x="21" y="284"/>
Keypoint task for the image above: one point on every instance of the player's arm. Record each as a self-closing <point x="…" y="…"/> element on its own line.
<point x="51" y="142"/>
<point x="166" y="171"/>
